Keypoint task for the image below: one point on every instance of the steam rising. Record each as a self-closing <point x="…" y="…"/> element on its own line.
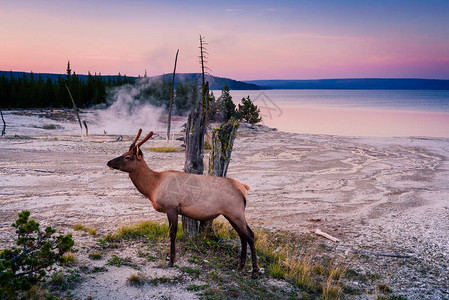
<point x="129" y="111"/>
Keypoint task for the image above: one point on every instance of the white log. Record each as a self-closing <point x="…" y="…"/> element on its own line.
<point x="327" y="236"/>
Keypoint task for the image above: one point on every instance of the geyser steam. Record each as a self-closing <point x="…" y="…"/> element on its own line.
<point x="129" y="111"/>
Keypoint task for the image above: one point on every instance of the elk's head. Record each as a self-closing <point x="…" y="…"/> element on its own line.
<point x="130" y="160"/>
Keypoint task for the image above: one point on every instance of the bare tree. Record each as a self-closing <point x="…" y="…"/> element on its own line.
<point x="194" y="140"/>
<point x="4" y="123"/>
<point x="75" y="108"/>
<point x="171" y="97"/>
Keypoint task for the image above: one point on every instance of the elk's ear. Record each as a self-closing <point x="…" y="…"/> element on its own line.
<point x="139" y="153"/>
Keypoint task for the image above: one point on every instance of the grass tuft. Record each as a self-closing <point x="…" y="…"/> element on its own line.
<point x="145" y="229"/>
<point x="78" y="227"/>
<point x="136" y="280"/>
<point x="90" y="230"/>
<point x="162" y="149"/>
<point x="96" y="255"/>
<point x="332" y="288"/>
<point x="67" y="259"/>
<point x="118" y="261"/>
<point x="223" y="230"/>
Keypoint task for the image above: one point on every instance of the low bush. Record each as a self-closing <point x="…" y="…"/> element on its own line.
<point x="24" y="266"/>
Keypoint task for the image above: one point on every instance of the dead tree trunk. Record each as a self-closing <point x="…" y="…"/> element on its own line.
<point x="194" y="140"/>
<point x="85" y="126"/>
<point x="222" y="141"/>
<point x="4" y="124"/>
<point x="75" y="109"/>
<point x="171" y="97"/>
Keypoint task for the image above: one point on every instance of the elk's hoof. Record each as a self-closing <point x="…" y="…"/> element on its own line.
<point x="255" y="274"/>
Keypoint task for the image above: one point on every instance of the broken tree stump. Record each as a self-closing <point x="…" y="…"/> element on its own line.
<point x="222" y="141"/>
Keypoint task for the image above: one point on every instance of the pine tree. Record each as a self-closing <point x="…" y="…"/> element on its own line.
<point x="249" y="112"/>
<point x="227" y="106"/>
<point x="69" y="71"/>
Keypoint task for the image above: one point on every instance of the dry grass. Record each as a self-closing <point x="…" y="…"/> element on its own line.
<point x="162" y="149"/>
<point x="96" y="255"/>
<point x="283" y="255"/>
<point x="290" y="260"/>
<point x="68" y="259"/>
<point x="332" y="287"/>
<point x="136" y="279"/>
<point x="223" y="229"/>
<point x="90" y="230"/>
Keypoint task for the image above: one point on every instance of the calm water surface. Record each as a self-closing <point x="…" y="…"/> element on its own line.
<point x="353" y="112"/>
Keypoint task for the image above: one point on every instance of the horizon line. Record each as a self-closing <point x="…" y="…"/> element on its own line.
<point x="277" y="79"/>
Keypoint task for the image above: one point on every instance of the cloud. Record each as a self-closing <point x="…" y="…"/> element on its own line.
<point x="231" y="10"/>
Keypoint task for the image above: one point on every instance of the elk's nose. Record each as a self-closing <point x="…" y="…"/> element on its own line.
<point x="109" y="164"/>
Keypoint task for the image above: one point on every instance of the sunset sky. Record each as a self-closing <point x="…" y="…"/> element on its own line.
<point x="246" y="39"/>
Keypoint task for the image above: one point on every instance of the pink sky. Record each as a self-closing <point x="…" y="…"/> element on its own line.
<point x="246" y="40"/>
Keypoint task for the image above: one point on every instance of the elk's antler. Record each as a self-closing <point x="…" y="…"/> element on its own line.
<point x="135" y="140"/>
<point x="145" y="139"/>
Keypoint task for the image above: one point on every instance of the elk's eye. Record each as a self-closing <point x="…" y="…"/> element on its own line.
<point x="127" y="157"/>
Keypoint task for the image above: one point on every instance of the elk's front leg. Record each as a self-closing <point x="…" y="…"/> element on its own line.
<point x="173" y="226"/>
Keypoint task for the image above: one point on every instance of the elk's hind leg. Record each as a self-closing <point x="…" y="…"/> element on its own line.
<point x="247" y="237"/>
<point x="173" y="227"/>
<point x="251" y="241"/>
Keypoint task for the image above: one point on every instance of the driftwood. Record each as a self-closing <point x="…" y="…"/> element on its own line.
<point x="171" y="97"/>
<point x="326" y="235"/>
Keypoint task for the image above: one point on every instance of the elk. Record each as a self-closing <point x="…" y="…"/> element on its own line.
<point x="198" y="197"/>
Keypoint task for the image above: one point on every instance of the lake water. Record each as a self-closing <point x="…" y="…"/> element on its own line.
<point x="353" y="112"/>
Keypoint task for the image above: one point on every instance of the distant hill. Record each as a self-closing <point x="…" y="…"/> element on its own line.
<point x="215" y="83"/>
<point x="356" y="84"/>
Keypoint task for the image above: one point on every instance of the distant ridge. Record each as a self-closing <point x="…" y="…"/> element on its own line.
<point x="356" y="84"/>
<point x="215" y="83"/>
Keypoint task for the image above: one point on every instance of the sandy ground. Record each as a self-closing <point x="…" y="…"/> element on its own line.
<point x="377" y="195"/>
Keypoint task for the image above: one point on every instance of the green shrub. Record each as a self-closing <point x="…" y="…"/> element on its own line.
<point x="24" y="266"/>
<point x="249" y="112"/>
<point x="96" y="255"/>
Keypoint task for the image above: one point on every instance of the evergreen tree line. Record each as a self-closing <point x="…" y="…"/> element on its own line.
<point x="31" y="91"/>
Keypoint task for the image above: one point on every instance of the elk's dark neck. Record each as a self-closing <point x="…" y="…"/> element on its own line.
<point x="144" y="179"/>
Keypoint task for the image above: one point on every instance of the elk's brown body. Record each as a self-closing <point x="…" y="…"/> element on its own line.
<point x="198" y="197"/>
